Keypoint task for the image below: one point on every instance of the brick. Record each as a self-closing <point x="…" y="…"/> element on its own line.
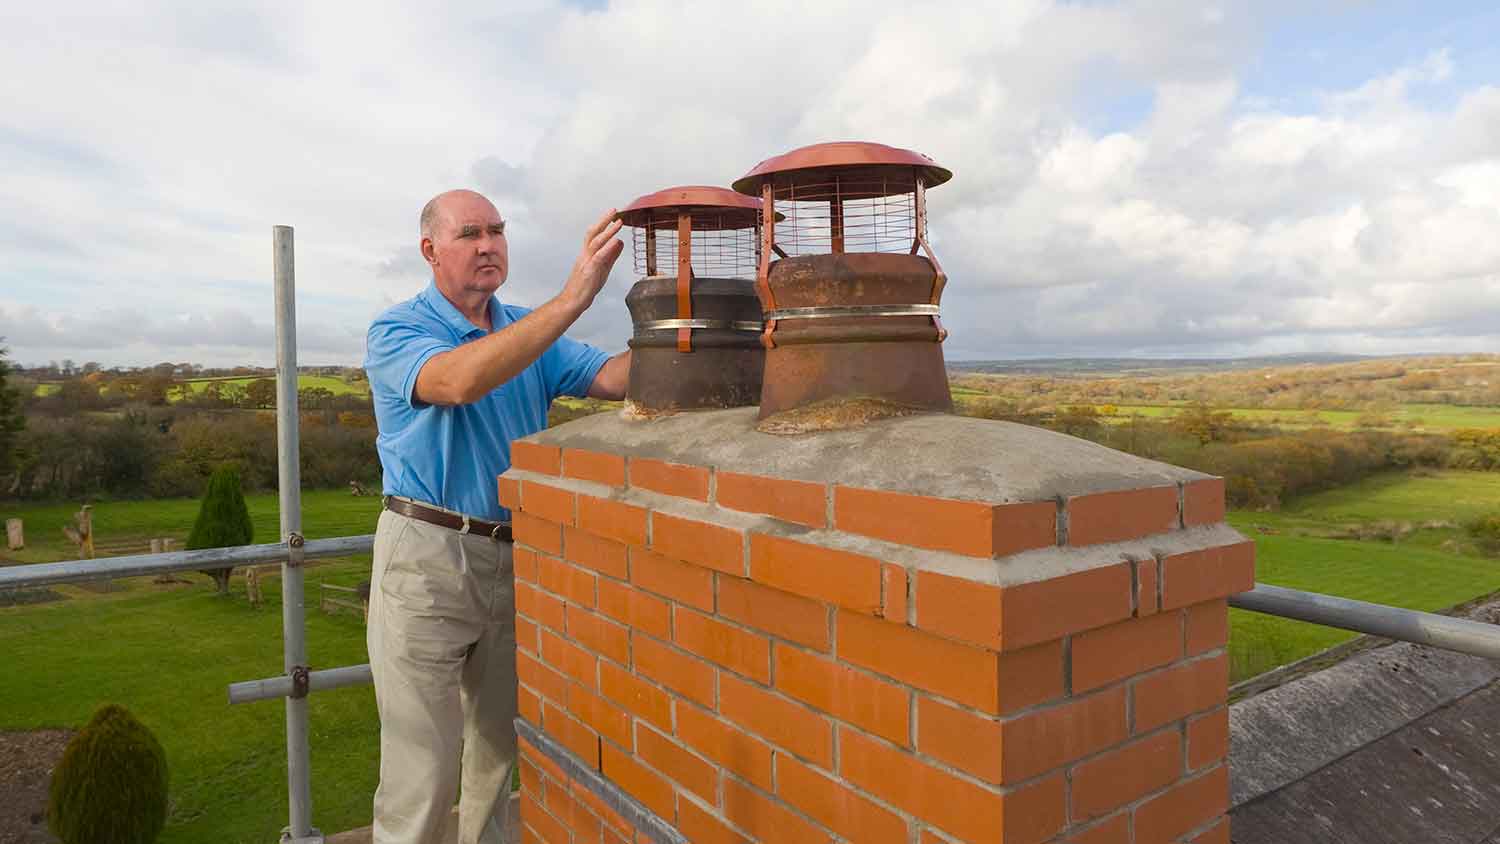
<point x="893" y="591"/>
<point x="572" y="734"/>
<point x="548" y="683"/>
<point x="711" y="736"/>
<point x="683" y="583"/>
<point x="1179" y="691"/>
<point x="526" y="635"/>
<point x="585" y="825"/>
<point x="1121" y="515"/>
<point x="593" y="466"/>
<point x="612" y="820"/>
<point x="1147" y="587"/>
<point x="542" y="824"/>
<point x="848" y="694"/>
<point x="1126" y="774"/>
<point x="682" y="767"/>
<point x="523" y="563"/>
<point x="801" y="502"/>
<point x="1031" y="676"/>
<point x="1208" y="739"/>
<point x="602" y="555"/>
<point x="508" y="490"/>
<point x="540" y="534"/>
<point x="702" y="827"/>
<point x="599" y="634"/>
<point x="682" y="673"/>
<point x="1123" y="650"/>
<point x="600" y="715"/>
<point x="963" y="673"/>
<point x="680" y="479"/>
<point x="570" y="659"/>
<point x="529" y="706"/>
<point x="777" y="719"/>
<point x="765" y="818"/>
<point x="729" y="647"/>
<point x="1199" y="576"/>
<point x="1112" y="830"/>
<point x="638" y="697"/>
<point x="1216" y="834"/>
<point x="1025" y="614"/>
<point x="1203" y="502"/>
<point x="964" y="527"/>
<point x="635" y="608"/>
<point x="1024" y="747"/>
<point x="531" y="778"/>
<point x="852" y="581"/>
<point x="638" y="781"/>
<point x="567" y="580"/>
<point x="545" y="765"/>
<point x="1184" y="808"/>
<point x="837" y="806"/>
<point x="612" y="519"/>
<point x="535" y="457"/>
<point x="1207" y="626"/>
<point x="779" y="613"/>
<point x="550" y="503"/>
<point x="711" y="546"/>
<point x="545" y="609"/>
<point x="1025" y="815"/>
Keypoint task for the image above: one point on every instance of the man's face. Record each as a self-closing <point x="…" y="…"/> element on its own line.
<point x="467" y="249"/>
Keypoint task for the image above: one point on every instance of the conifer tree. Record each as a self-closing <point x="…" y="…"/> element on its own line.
<point x="110" y="787"/>
<point x="223" y="520"/>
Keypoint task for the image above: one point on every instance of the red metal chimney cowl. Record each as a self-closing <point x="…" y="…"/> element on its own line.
<point x="848" y="280"/>
<point x="695" y="310"/>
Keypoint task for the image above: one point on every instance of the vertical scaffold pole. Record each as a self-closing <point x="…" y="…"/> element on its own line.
<point x="299" y="796"/>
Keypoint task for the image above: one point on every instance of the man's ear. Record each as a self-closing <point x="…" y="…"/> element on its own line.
<point x="428" y="252"/>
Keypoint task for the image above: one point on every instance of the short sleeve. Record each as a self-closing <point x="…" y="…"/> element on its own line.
<point x="395" y="351"/>
<point x="569" y="367"/>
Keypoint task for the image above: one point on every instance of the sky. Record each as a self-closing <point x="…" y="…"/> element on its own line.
<point x="1130" y="178"/>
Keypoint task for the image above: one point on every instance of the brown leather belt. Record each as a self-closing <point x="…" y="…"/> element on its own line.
<point x="433" y="516"/>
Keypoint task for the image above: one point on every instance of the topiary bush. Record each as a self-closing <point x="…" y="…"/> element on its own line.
<point x="223" y="520"/>
<point x="111" y="785"/>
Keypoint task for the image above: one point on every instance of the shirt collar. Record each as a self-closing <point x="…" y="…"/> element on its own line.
<point x="451" y="315"/>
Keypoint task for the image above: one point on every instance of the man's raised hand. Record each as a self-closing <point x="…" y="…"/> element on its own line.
<point x="600" y="251"/>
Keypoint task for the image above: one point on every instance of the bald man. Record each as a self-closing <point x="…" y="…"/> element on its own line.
<point x="456" y="376"/>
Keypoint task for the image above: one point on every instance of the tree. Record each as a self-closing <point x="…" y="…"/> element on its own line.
<point x="110" y="787"/>
<point x="261" y="393"/>
<point x="11" y="420"/>
<point x="223" y="520"/>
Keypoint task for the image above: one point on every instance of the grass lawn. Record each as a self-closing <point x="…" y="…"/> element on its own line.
<point x="1429" y="569"/>
<point x="1437" y="418"/>
<point x="169" y="653"/>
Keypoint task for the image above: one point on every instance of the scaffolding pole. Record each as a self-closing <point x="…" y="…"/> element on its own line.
<point x="293" y="614"/>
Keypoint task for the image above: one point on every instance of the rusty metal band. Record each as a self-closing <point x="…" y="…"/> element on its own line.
<point x="854" y="311"/>
<point x="684" y="278"/>
<point x="726" y="324"/>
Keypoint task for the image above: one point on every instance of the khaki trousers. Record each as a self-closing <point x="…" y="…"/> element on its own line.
<point x="442" y="644"/>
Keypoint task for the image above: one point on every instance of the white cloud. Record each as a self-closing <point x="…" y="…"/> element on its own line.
<point x="147" y="153"/>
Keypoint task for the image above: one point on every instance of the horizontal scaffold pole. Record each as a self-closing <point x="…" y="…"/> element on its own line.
<point x="80" y="571"/>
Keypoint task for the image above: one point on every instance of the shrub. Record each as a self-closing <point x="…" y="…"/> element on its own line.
<point x="223" y="520"/>
<point x="111" y="785"/>
<point x="1486" y="533"/>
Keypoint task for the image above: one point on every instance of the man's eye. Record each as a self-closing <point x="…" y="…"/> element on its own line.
<point x="500" y="229"/>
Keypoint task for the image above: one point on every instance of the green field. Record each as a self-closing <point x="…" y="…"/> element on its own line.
<point x="333" y="384"/>
<point x="1431" y="567"/>
<point x="1417" y="417"/>
<point x="169" y="652"/>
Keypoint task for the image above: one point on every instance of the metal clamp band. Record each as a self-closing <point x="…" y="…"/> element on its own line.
<point x="732" y="325"/>
<point x="854" y="311"/>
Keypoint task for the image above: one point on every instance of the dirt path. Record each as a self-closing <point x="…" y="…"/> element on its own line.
<point x="26" y="762"/>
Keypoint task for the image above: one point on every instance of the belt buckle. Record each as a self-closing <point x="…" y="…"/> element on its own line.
<point x="495" y="534"/>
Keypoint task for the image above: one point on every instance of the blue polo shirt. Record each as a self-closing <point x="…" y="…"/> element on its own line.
<point x="450" y="456"/>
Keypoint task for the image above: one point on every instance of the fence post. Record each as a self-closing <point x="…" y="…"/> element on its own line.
<point x="299" y="793"/>
<point x="15" y="534"/>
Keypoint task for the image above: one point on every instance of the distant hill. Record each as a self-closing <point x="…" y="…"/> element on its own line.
<point x="1117" y="366"/>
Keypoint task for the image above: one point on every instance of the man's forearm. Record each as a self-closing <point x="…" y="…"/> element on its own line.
<point x="467" y="373"/>
<point x="612" y="379"/>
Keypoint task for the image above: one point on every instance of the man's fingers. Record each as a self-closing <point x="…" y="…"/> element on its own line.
<point x="602" y="237"/>
<point x="599" y="226"/>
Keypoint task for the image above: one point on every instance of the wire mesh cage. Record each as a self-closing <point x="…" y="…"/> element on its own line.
<point x="846" y="215"/>
<point x="723" y="243"/>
